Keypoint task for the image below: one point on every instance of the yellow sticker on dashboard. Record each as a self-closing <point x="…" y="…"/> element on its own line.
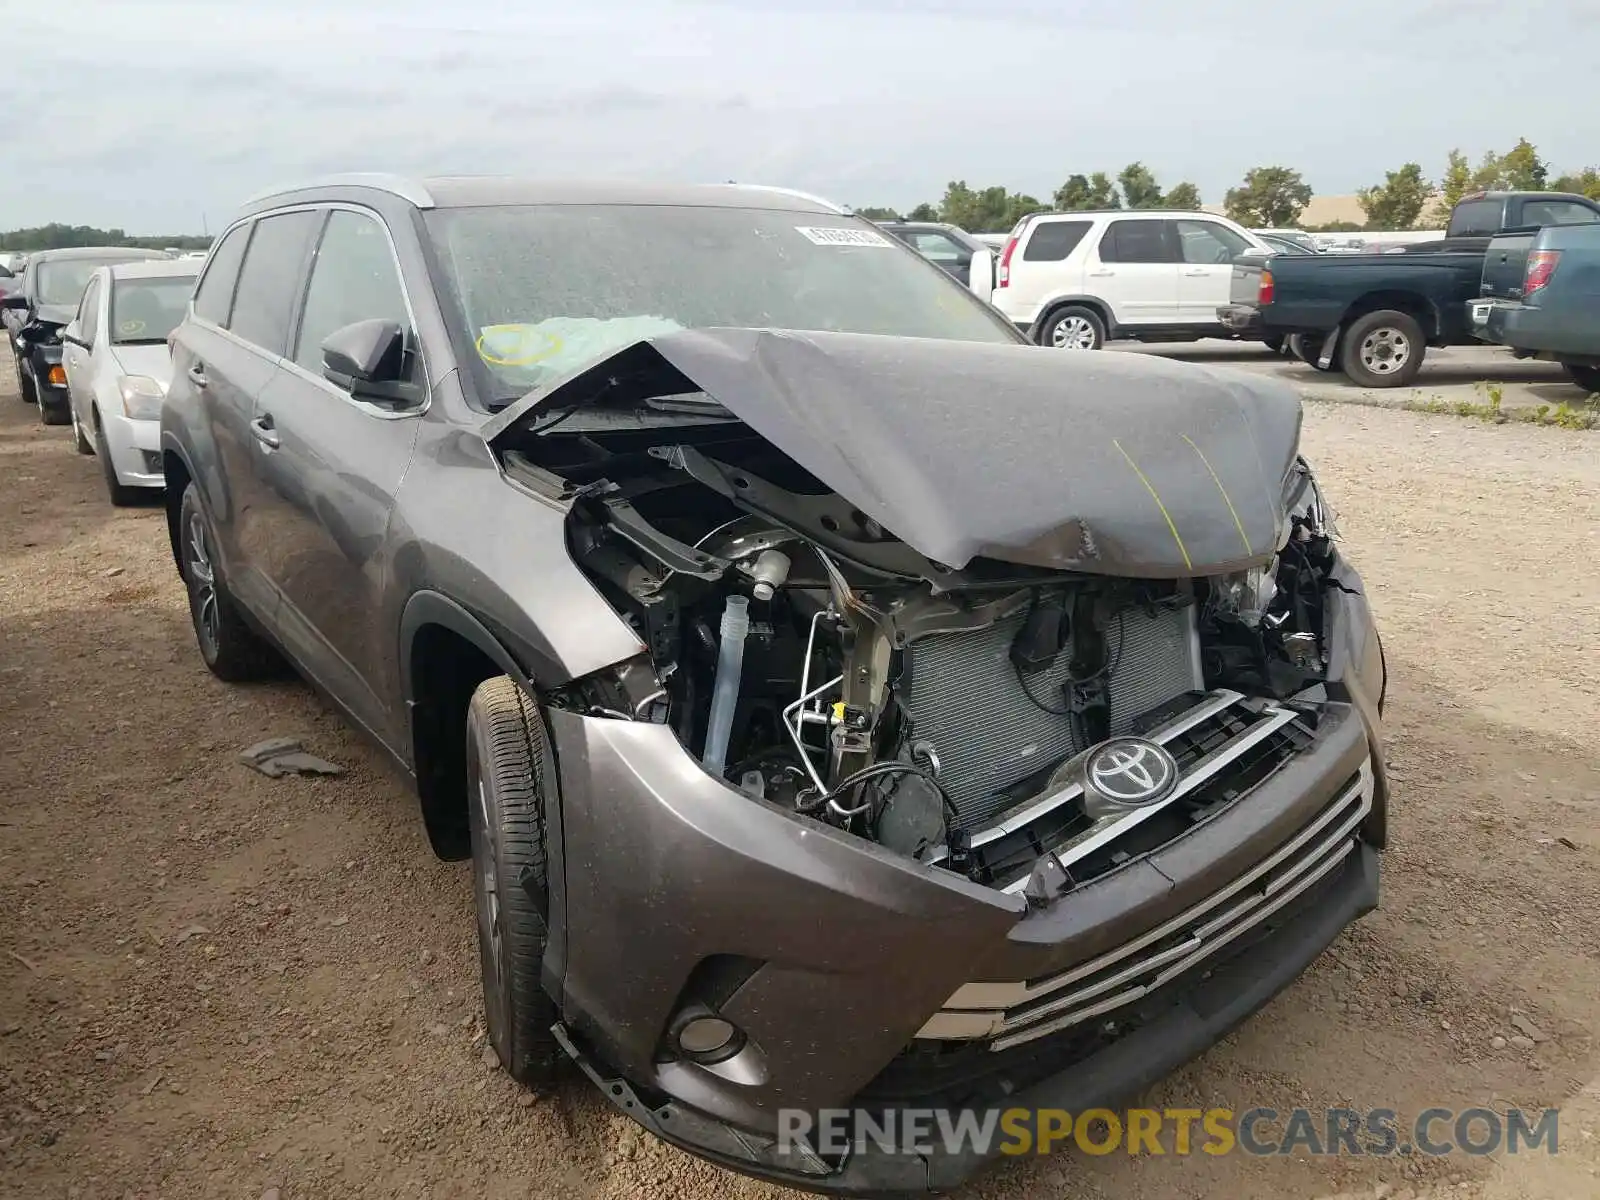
<point x="517" y="345"/>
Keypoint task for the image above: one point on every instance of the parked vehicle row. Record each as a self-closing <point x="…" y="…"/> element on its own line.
<point x="722" y="575"/>
<point x="1373" y="316"/>
<point x="1541" y="298"/>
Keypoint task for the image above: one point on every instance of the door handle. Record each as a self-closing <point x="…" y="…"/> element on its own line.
<point x="261" y="429"/>
<point x="1100" y="274"/>
<point x="197" y="375"/>
<point x="1202" y="271"/>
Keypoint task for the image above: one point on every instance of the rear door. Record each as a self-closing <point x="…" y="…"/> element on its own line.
<point x="1208" y="249"/>
<point x="329" y="472"/>
<point x="1134" y="269"/>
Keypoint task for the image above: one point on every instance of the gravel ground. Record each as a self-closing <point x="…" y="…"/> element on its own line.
<point x="215" y="984"/>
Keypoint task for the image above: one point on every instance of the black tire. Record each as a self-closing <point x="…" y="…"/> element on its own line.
<point x="509" y="769"/>
<point x="230" y="648"/>
<point x="1076" y="327"/>
<point x="1273" y="342"/>
<point x="121" y="495"/>
<point x="1587" y="378"/>
<point x="1307" y="347"/>
<point x="55" y="416"/>
<point x="1382" y="349"/>
<point x="80" y="443"/>
<point x="24" y="384"/>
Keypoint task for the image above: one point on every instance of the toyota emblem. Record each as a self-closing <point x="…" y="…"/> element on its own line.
<point x="1127" y="773"/>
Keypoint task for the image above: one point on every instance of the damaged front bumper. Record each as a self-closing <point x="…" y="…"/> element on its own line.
<point x="859" y="979"/>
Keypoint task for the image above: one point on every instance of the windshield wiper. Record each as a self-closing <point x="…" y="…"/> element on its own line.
<point x="698" y="403"/>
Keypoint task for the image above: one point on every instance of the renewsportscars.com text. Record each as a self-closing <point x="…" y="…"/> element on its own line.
<point x="1178" y="1131"/>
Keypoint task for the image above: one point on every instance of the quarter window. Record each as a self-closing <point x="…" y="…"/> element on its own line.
<point x="213" y="301"/>
<point x="1137" y="241"/>
<point x="89" y="313"/>
<point x="353" y="278"/>
<point x="270" y="278"/>
<point x="1052" y="241"/>
<point x="1556" y="212"/>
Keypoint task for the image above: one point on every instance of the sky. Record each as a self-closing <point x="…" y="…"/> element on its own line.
<point x="163" y="116"/>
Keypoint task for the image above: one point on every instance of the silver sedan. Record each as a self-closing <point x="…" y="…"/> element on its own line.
<point x="118" y="367"/>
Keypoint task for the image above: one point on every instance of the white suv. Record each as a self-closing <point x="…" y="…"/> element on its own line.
<point x="1075" y="280"/>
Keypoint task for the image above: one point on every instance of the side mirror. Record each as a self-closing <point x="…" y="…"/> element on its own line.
<point x="73" y="335"/>
<point x="368" y="358"/>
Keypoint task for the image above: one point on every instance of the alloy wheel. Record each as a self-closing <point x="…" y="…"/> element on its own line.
<point x="203" y="585"/>
<point x="1074" y="333"/>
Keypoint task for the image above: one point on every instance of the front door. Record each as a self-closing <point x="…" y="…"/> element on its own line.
<point x="1206" y="273"/>
<point x="329" y="469"/>
<point x="1134" y="269"/>
<point x="78" y="360"/>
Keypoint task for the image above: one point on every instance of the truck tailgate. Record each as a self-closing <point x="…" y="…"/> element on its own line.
<point x="1245" y="286"/>
<point x="1504" y="265"/>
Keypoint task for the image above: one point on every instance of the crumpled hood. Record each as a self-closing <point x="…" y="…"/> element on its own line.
<point x="1116" y="464"/>
<point x="55" y="314"/>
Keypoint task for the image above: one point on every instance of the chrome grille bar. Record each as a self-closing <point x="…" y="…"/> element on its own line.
<point x="1010" y="1013"/>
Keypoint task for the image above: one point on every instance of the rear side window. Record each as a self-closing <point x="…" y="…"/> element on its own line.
<point x="1052" y="241"/>
<point x="353" y="278"/>
<point x="1556" y="212"/>
<point x="270" y="278"/>
<point x="214" y="298"/>
<point x="1476" y="218"/>
<point x="1138" y="242"/>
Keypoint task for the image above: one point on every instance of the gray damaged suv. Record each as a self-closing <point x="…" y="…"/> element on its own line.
<point x="844" y="705"/>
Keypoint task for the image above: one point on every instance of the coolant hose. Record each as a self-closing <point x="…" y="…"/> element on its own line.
<point x="725" y="691"/>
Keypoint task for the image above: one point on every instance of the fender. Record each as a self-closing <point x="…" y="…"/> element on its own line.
<point x="171" y="445"/>
<point x="434" y="608"/>
<point x="1049" y="307"/>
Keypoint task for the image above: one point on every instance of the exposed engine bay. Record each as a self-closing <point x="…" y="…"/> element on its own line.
<point x="812" y="660"/>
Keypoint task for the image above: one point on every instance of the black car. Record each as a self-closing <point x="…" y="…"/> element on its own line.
<point x="52" y="286"/>
<point x="951" y="249"/>
<point x="844" y="705"/>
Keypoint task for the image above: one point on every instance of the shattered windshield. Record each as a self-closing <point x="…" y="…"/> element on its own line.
<point x="547" y="288"/>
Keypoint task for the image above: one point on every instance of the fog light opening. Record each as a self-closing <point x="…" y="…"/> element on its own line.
<point x="708" y="1038"/>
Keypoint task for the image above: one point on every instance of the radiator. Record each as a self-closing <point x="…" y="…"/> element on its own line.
<point x="963" y="696"/>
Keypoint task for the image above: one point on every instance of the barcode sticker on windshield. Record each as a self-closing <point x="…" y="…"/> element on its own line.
<point x="829" y="236"/>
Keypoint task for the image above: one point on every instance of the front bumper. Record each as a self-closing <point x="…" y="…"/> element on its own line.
<point x="833" y="956"/>
<point x="1239" y="318"/>
<point x="135" y="450"/>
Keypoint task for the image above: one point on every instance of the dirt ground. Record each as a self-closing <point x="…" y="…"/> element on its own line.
<point x="215" y="984"/>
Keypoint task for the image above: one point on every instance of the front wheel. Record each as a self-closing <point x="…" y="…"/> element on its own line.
<point x="509" y="774"/>
<point x="1074" y="328"/>
<point x="1383" y="349"/>
<point x="80" y="443"/>
<point x="1588" y="378"/>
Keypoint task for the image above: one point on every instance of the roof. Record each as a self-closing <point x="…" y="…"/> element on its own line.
<point x="478" y="191"/>
<point x="1071" y="213"/>
<point x="158" y="268"/>
<point x="76" y="252"/>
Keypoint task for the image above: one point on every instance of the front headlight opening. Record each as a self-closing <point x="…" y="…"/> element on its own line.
<point x="141" y="397"/>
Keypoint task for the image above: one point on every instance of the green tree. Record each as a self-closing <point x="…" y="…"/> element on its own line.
<point x="1585" y="182"/>
<point x="1523" y="169"/>
<point x="1457" y="181"/>
<point x="923" y="212"/>
<point x="878" y="214"/>
<point x="1102" y="192"/>
<point x="960" y="203"/>
<point x="992" y="209"/>
<point x="1270" y="196"/>
<point x="55" y="236"/>
<point x="1184" y="195"/>
<point x="1397" y="202"/>
<point x="1073" y="195"/>
<point x="1139" y="186"/>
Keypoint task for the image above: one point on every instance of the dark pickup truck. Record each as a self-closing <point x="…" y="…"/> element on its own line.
<point x="1373" y="316"/>
<point x="1541" y="297"/>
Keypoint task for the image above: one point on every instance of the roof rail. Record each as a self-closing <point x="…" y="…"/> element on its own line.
<point x="399" y="185"/>
<point x="843" y="210"/>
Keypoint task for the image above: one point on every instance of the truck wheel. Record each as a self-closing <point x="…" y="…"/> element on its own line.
<point x="1073" y="328"/>
<point x="1273" y="342"/>
<point x="1383" y="349"/>
<point x="1306" y="347"/>
<point x="509" y="769"/>
<point x="1588" y="378"/>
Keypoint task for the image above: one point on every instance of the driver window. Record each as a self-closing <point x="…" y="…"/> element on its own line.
<point x="1206" y="242"/>
<point x="353" y="278"/>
